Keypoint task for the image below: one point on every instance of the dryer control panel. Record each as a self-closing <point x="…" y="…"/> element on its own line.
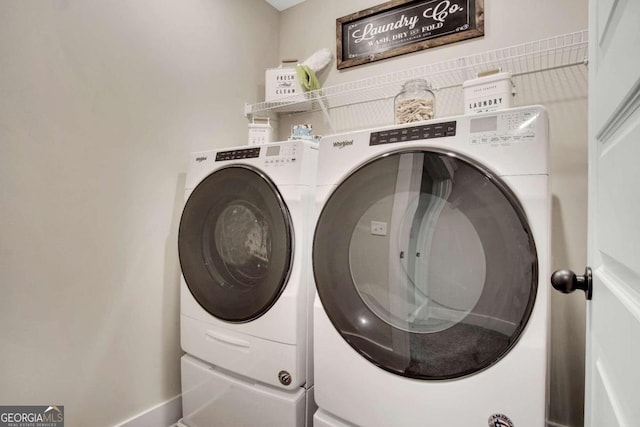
<point x="501" y="128"/>
<point x="413" y="133"/>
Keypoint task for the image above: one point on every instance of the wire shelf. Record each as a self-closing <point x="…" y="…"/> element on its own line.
<point x="547" y="54"/>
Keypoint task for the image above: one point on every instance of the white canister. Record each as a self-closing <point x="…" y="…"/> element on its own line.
<point x="488" y="93"/>
<point x="260" y="131"/>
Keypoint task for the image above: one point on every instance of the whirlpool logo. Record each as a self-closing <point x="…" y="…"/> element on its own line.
<point x="342" y="144"/>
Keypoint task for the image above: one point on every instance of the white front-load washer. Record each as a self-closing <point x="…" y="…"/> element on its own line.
<point x="246" y="291"/>
<point x="431" y="261"/>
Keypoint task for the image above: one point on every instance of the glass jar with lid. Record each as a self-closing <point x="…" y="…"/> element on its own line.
<point x="415" y="102"/>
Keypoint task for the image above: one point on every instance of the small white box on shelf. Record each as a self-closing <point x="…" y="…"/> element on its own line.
<point x="281" y="85"/>
<point x="490" y="92"/>
<point x="260" y="131"/>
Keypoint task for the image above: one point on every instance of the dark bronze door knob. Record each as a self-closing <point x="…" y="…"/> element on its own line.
<point x="566" y="281"/>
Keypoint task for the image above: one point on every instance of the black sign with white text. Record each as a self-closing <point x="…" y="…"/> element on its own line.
<point x="406" y="27"/>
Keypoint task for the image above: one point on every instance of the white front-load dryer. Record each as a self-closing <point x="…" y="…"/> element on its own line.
<point x="246" y="290"/>
<point x="431" y="261"/>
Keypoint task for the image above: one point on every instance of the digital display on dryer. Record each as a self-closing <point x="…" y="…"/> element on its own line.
<point x="484" y="124"/>
<point x="415" y="133"/>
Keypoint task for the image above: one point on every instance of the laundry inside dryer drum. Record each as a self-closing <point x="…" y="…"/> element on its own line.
<point x="243" y="243"/>
<point x="425" y="264"/>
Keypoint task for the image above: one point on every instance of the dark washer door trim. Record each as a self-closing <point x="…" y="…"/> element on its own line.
<point x="457" y="295"/>
<point x="235" y="243"/>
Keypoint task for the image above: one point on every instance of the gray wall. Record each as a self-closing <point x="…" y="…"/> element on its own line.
<point x="100" y="104"/>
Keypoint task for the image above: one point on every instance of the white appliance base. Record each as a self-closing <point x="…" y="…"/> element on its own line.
<point x="211" y="397"/>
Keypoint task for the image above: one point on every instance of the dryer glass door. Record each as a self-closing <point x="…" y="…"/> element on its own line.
<point x="425" y="264"/>
<point x="235" y="243"/>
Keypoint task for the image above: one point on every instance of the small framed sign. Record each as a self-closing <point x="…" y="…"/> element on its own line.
<point x="403" y="26"/>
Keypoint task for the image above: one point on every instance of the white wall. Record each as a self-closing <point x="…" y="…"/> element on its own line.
<point x="310" y="26"/>
<point x="100" y="104"/>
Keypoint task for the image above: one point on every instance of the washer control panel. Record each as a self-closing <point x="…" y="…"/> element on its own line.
<point x="503" y="128"/>
<point x="245" y="153"/>
<point x="279" y="155"/>
<point x="268" y="155"/>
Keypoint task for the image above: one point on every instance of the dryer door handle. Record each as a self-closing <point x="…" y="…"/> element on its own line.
<point x="566" y="281"/>
<point x="227" y="339"/>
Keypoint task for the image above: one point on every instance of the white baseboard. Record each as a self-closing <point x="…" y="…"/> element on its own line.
<point x="169" y="413"/>
<point x="162" y="415"/>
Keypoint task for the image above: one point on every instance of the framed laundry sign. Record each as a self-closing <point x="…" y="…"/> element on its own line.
<point x="403" y="26"/>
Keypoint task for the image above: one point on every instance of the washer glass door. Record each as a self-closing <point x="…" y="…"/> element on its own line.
<point x="425" y="264"/>
<point x="235" y="243"/>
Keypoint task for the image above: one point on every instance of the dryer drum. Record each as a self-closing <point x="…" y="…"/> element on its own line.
<point x="447" y="286"/>
<point x="235" y="243"/>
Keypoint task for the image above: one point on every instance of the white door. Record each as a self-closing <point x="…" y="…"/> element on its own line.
<point x="613" y="315"/>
